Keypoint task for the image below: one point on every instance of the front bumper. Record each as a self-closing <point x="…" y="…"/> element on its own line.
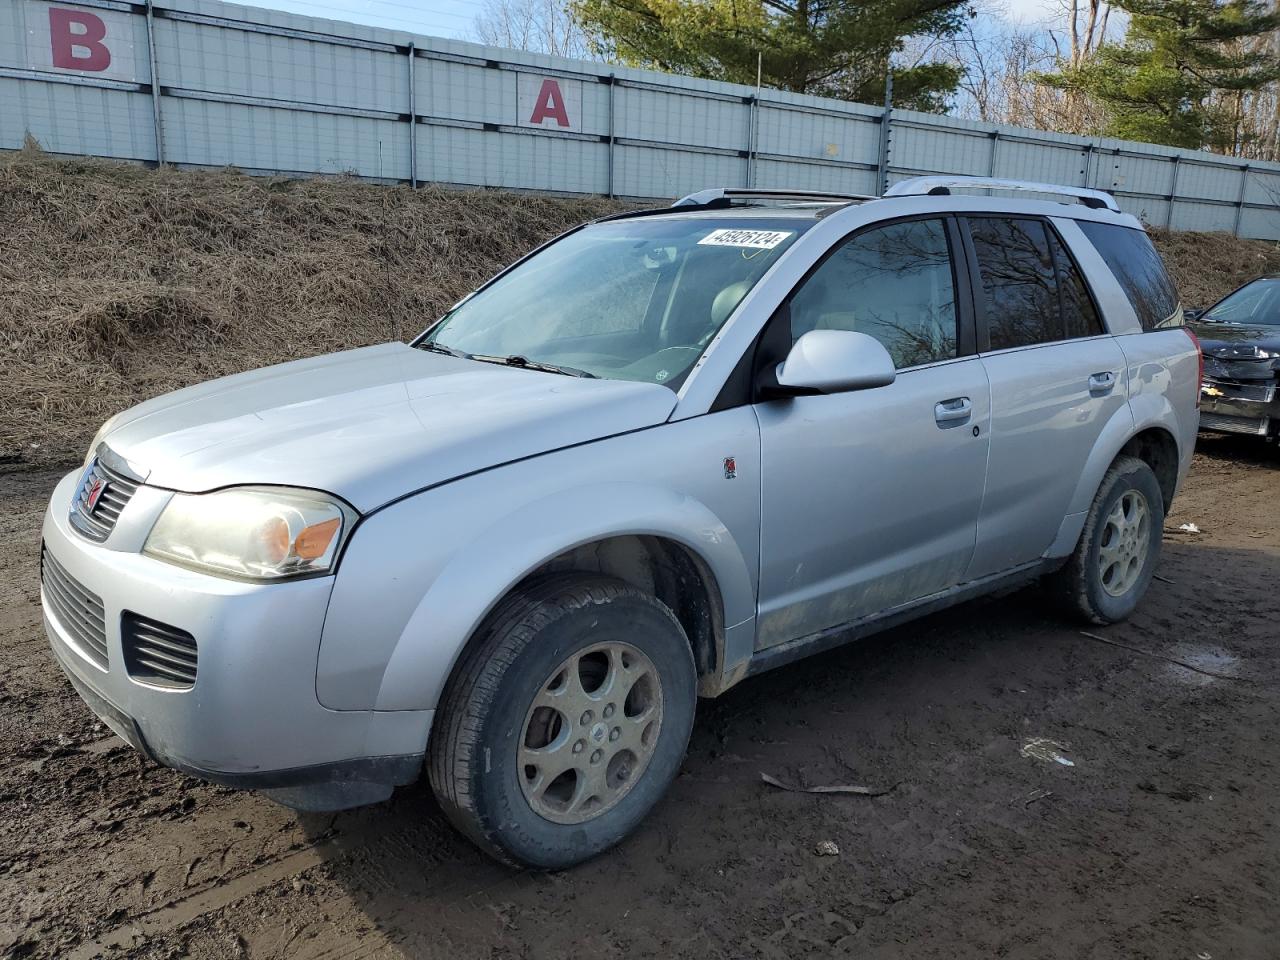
<point x="252" y="718"/>
<point x="1234" y="406"/>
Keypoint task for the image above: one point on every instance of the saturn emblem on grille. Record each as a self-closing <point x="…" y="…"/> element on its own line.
<point x="97" y="487"/>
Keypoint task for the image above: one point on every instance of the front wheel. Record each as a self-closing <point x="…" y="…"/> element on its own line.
<point x="1119" y="547"/>
<point x="565" y="720"/>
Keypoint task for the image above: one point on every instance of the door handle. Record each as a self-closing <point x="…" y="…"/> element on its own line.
<point x="1103" y="382"/>
<point x="953" y="411"/>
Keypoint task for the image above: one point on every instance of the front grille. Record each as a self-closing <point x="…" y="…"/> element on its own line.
<point x="1225" y="424"/>
<point x="80" y="612"/>
<point x="98" y="520"/>
<point x="1261" y="392"/>
<point x="157" y="653"/>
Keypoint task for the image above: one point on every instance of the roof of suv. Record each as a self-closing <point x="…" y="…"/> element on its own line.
<point x="761" y="211"/>
<point x="1079" y="202"/>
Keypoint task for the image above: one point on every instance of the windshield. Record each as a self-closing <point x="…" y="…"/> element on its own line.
<point x="1254" y="304"/>
<point x="626" y="300"/>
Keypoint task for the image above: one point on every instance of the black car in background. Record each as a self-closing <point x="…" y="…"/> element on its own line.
<point x="1240" y="336"/>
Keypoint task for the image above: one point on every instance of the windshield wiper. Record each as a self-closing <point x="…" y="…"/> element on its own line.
<point x="515" y="360"/>
<point x="441" y="348"/>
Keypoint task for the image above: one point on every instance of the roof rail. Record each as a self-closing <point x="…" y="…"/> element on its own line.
<point x="941" y="186"/>
<point x="723" y="196"/>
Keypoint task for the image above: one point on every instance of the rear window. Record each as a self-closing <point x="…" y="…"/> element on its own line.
<point x="1034" y="293"/>
<point x="1136" y="265"/>
<point x="1079" y="316"/>
<point x="1019" y="281"/>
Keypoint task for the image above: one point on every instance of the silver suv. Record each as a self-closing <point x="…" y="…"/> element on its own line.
<point x="666" y="451"/>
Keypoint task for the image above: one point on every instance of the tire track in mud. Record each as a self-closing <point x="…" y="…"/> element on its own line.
<point x="93" y="749"/>
<point x="214" y="896"/>
<point x="374" y="842"/>
<point x="132" y="829"/>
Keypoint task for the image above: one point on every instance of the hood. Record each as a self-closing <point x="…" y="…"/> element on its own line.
<point x="373" y="424"/>
<point x="1226" y="340"/>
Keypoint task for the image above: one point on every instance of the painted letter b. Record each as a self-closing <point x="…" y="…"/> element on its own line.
<point x="81" y="49"/>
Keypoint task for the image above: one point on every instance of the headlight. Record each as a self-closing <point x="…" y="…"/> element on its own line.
<point x="262" y="533"/>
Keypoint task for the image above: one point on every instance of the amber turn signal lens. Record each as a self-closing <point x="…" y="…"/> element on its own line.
<point x="274" y="538"/>
<point x="314" y="540"/>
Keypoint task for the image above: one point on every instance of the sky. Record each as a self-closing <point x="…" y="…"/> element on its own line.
<point x="1032" y="11"/>
<point x="453" y="18"/>
<point x="437" y="18"/>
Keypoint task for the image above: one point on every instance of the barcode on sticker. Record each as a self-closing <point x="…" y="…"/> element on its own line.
<point x="756" y="239"/>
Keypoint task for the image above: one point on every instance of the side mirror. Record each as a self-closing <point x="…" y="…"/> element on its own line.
<point x="1189" y="315"/>
<point x="834" y="361"/>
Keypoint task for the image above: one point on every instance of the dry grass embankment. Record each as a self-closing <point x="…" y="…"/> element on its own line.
<point x="119" y="283"/>
<point x="1207" y="266"/>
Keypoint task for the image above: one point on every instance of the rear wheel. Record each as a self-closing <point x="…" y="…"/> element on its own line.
<point x="565" y="721"/>
<point x="1119" y="547"/>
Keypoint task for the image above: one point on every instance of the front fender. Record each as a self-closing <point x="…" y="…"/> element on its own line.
<point x="419" y="576"/>
<point x="521" y="541"/>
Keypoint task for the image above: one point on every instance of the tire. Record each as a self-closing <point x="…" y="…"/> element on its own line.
<point x="1107" y="592"/>
<point x="493" y="718"/>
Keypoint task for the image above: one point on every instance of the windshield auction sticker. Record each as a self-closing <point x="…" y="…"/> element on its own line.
<point x="755" y="239"/>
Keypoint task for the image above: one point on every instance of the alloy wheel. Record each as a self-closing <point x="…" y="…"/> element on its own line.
<point x="1126" y="540"/>
<point x="590" y="733"/>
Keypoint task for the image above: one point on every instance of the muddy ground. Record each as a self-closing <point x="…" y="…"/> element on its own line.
<point x="1161" y="840"/>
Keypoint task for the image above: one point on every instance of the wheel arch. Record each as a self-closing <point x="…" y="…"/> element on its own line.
<point x="1153" y="442"/>
<point x="666" y="568"/>
<point x="650" y="537"/>
<point x="1157" y="448"/>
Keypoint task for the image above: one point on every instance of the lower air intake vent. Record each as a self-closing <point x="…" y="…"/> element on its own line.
<point x="1216" y="421"/>
<point x="157" y="653"/>
<point x="80" y="612"/>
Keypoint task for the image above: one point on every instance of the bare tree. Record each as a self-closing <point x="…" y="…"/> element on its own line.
<point x="1087" y="27"/>
<point x="538" y="26"/>
<point x="982" y="93"/>
<point x="1254" y="114"/>
<point x="1000" y="60"/>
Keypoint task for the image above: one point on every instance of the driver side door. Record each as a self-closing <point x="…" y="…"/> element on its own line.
<point x="870" y="498"/>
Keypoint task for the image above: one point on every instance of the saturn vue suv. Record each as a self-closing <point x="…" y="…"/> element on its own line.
<point x="666" y="451"/>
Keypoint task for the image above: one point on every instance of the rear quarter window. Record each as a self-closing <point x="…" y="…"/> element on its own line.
<point x="1139" y="270"/>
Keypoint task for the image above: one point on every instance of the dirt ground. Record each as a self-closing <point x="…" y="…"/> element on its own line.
<point x="1161" y="840"/>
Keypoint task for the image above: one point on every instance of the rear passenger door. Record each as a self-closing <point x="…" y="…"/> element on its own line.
<point x="1056" y="380"/>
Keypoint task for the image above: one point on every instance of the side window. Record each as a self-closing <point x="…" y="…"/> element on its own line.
<point x="1019" y="281"/>
<point x="1138" y="268"/>
<point x="893" y="283"/>
<point x="1079" y="315"/>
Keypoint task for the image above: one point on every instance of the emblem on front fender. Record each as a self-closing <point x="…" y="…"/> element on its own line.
<point x="730" y="468"/>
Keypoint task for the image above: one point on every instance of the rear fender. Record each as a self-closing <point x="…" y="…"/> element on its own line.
<point x="1158" y="386"/>
<point x="1164" y="386"/>
<point x="1115" y="434"/>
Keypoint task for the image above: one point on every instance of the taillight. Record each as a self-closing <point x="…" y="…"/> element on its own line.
<point x="1199" y="357"/>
